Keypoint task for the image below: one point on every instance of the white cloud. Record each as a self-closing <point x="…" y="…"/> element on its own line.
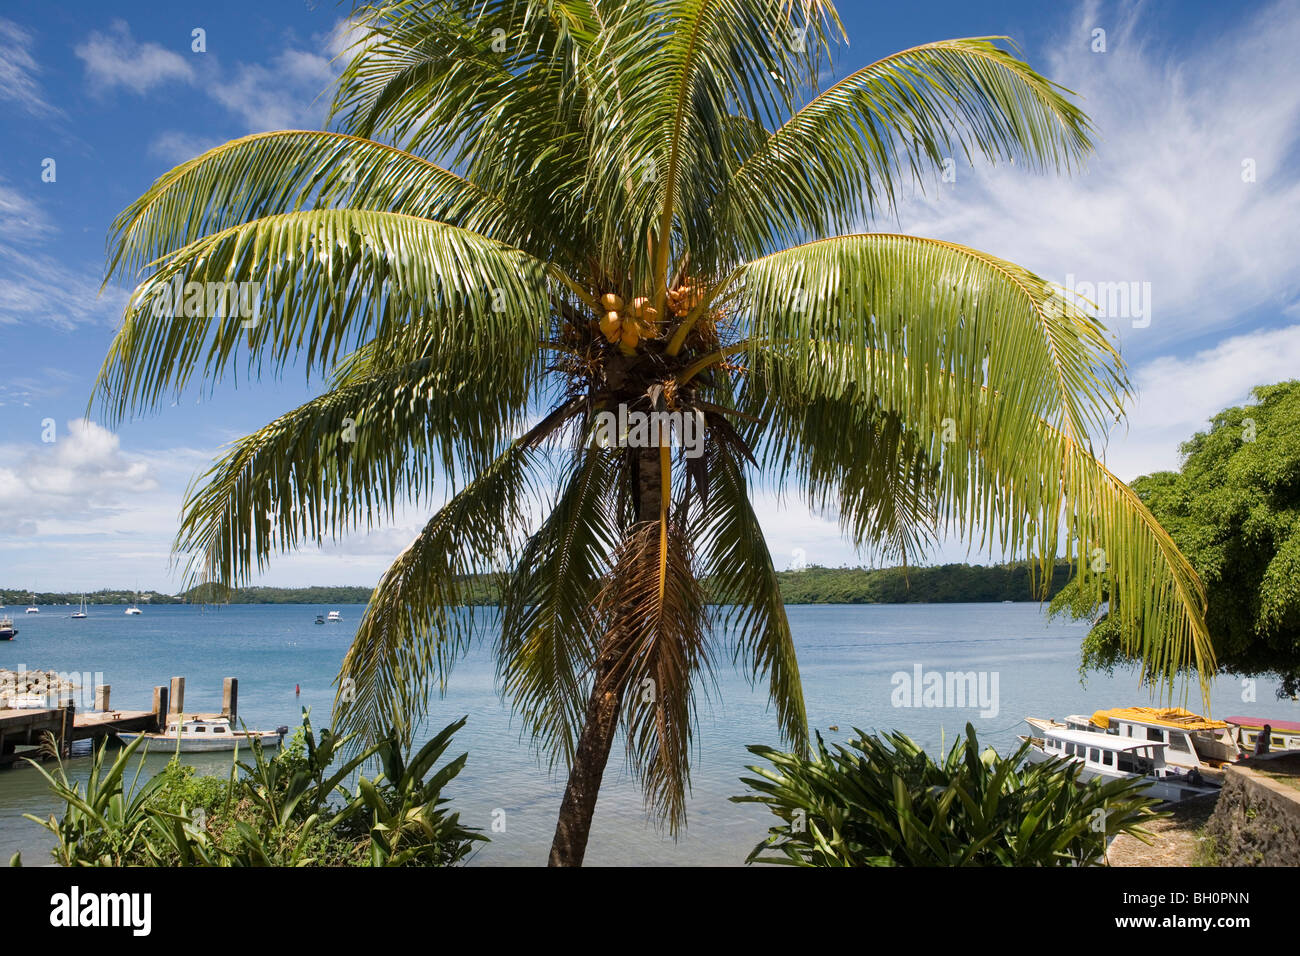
<point x="116" y="59"/>
<point x="19" y="69"/>
<point x="1163" y="200"/>
<point x="37" y="287"/>
<point x="21" y="219"/>
<point x="1176" y="397"/>
<point x="177" y="147"/>
<point x="80" y="475"/>
<point x="287" y="94"/>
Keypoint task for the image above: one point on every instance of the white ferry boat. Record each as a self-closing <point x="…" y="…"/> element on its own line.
<point x="1194" y="742"/>
<point x="202" y="734"/>
<point x="1110" y="757"/>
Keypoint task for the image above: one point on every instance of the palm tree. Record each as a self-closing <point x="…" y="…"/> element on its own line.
<point x="530" y="212"/>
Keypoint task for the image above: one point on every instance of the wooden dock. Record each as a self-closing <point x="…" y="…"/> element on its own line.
<point x="28" y="733"/>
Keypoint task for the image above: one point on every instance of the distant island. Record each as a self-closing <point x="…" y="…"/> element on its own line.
<point x="940" y="584"/>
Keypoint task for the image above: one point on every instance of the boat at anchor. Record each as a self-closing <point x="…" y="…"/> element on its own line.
<point x="1107" y="757"/>
<point x="197" y="734"/>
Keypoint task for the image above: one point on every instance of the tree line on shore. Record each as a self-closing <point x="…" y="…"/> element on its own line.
<point x="940" y="584"/>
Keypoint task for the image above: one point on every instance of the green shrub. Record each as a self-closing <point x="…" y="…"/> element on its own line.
<point x="290" y="809"/>
<point x="883" y="801"/>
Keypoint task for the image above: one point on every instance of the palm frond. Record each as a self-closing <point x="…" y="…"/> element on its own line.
<point x="925" y="325"/>
<point x="326" y="281"/>
<point x="1034" y="492"/>
<point x="846" y="154"/>
<point x="736" y="563"/>
<point x="659" y="639"/>
<point x="549" y="629"/>
<point x="285" y="171"/>
<point x="419" y="620"/>
<point x="346" y="460"/>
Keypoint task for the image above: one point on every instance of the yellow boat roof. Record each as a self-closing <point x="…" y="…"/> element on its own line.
<point x="1165" y="716"/>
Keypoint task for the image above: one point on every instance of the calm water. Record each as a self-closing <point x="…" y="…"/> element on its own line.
<point x="847" y="655"/>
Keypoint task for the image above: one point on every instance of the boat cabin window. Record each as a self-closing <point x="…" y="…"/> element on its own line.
<point x="1179" y="742"/>
<point x="1094" y="755"/>
<point x="1108" y="758"/>
<point x="1154" y="734"/>
<point x="199" y="728"/>
<point x="218" y="730"/>
<point x="1133" y="763"/>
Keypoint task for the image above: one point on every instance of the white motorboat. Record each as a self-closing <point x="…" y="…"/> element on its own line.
<point x="334" y="616"/>
<point x="1111" y="757"/>
<point x="197" y="734"/>
<point x="7" y="630"/>
<point x="1194" y="741"/>
<point x="25" y="702"/>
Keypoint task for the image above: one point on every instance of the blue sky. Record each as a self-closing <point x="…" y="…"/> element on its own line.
<point x="1185" y="96"/>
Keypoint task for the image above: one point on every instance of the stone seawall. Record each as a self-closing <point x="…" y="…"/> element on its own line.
<point x="1257" y="819"/>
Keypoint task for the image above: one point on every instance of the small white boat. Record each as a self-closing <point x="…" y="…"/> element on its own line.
<point x="202" y="734"/>
<point x="1111" y="757"/>
<point x="33" y="610"/>
<point x="334" y="616"/>
<point x="7" y="630"/>
<point x="25" y="702"/>
<point x="80" y="612"/>
<point x="133" y="610"/>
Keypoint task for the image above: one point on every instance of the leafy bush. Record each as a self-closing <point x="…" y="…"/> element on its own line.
<point x="290" y="809"/>
<point x="883" y="801"/>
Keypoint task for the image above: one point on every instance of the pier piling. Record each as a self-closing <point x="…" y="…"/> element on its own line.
<point x="160" y="711"/>
<point x="230" y="699"/>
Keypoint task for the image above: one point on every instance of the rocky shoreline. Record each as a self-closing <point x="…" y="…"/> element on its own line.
<point x="19" y="688"/>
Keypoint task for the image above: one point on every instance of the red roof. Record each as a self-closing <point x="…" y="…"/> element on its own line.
<point x="1257" y="723"/>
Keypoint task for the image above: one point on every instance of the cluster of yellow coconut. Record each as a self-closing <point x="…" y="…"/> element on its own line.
<point x="628" y="325"/>
<point x="683" y="298"/>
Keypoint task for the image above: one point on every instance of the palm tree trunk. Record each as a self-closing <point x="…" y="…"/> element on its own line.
<point x="603" y="708"/>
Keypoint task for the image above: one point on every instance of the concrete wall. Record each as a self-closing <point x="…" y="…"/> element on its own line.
<point x="1257" y="819"/>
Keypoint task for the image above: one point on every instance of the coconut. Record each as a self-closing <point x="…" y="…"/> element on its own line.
<point x="611" y="302"/>
<point x="611" y="326"/>
<point x="639" y="305"/>
<point x="630" y="336"/>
